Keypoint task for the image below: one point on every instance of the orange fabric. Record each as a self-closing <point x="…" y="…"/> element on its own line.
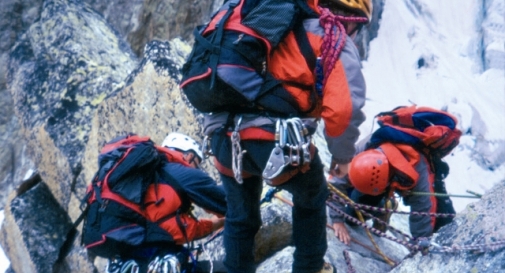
<point x="289" y="65"/>
<point x="228" y="172"/>
<point x="161" y="200"/>
<point x="129" y="140"/>
<point x="194" y="228"/>
<point x="164" y="201"/>
<point x="402" y="158"/>
<point x="255" y="133"/>
<point x="173" y="156"/>
<point x="337" y="103"/>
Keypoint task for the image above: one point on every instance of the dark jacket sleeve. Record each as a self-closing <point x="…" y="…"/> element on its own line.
<point x="199" y="186"/>
<point x="421" y="225"/>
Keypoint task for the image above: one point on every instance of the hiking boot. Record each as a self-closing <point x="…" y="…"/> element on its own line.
<point x="391" y="204"/>
<point x="327" y="268"/>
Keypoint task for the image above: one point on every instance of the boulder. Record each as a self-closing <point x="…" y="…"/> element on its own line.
<point x="34" y="228"/>
<point x="59" y="71"/>
<point x="467" y="243"/>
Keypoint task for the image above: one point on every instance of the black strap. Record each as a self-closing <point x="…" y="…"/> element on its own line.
<point x="306" y="10"/>
<point x="303" y="43"/>
<point x="217" y="39"/>
<point x="71" y="234"/>
<point x="182" y="227"/>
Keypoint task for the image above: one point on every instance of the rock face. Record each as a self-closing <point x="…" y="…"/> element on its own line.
<point x="143" y="21"/>
<point x="480" y="224"/>
<point x="57" y="77"/>
<point x="14" y="161"/>
<point x="137" y="22"/>
<point x="36" y="228"/>
<point x="149" y="105"/>
<point x="370" y="31"/>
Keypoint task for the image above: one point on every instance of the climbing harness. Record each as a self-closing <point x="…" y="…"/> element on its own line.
<point x="292" y="142"/>
<point x="237" y="152"/>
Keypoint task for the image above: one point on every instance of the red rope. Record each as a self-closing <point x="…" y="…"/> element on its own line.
<point x="334" y="38"/>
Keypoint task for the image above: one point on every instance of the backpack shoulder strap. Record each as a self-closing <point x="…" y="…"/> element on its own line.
<point x="303" y="43"/>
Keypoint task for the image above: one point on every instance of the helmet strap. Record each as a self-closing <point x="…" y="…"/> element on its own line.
<point x="190" y="157"/>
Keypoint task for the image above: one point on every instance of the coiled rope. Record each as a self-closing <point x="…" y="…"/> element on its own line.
<point x="334" y="38"/>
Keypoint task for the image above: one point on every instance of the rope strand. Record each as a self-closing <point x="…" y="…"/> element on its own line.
<point x="334" y="39"/>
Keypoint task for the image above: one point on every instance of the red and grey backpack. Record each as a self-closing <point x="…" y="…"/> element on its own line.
<point x="227" y="68"/>
<point x="115" y="219"/>
<point x="433" y="132"/>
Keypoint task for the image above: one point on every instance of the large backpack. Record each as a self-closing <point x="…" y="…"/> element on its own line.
<point x="429" y="130"/>
<point x="115" y="219"/>
<point x="432" y="132"/>
<point x="226" y="70"/>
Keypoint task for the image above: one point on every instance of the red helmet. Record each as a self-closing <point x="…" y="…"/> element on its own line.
<point x="369" y="172"/>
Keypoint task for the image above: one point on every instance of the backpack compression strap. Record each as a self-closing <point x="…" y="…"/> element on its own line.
<point x="214" y="58"/>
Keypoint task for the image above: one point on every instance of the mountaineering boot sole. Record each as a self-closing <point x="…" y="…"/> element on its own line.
<point x="391" y="204"/>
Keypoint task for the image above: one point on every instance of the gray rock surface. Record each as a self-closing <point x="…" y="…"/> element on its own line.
<point x="57" y="77"/>
<point x="137" y="22"/>
<point x="481" y="223"/>
<point x="34" y="228"/>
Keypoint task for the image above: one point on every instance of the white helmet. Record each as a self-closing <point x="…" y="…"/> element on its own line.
<point x="183" y="143"/>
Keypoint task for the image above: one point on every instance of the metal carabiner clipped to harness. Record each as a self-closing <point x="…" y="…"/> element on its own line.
<point x="302" y="137"/>
<point x="277" y="161"/>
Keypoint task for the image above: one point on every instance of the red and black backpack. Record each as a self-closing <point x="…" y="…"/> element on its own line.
<point x="115" y="218"/>
<point x="227" y="68"/>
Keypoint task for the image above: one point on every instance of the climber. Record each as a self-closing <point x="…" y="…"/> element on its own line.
<point x="377" y="173"/>
<point x="246" y="151"/>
